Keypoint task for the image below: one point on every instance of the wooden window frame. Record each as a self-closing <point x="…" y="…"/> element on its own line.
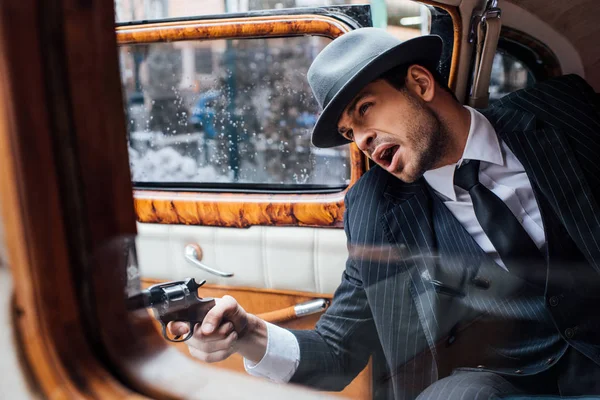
<point x="241" y="210"/>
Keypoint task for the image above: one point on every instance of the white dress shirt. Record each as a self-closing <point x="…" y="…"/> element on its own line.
<point x="281" y="358"/>
<point x="499" y="171"/>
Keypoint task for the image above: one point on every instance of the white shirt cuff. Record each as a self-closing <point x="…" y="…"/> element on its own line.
<point x="281" y="358"/>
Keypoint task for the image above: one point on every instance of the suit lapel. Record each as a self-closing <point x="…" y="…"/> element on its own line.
<point x="407" y="225"/>
<point x="420" y="220"/>
<point x="552" y="167"/>
<point x="456" y="248"/>
<point x="436" y="255"/>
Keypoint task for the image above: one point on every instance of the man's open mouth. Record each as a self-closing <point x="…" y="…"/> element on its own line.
<point x="385" y="156"/>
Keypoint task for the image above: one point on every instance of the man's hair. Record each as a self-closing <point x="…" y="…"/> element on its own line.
<point x="397" y="78"/>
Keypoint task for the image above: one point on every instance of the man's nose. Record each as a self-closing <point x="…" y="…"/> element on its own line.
<point x="364" y="139"/>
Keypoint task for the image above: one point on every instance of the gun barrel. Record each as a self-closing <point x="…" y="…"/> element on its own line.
<point x="175" y="295"/>
<point x="138" y="301"/>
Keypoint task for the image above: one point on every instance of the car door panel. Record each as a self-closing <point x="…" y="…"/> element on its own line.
<point x="263" y="257"/>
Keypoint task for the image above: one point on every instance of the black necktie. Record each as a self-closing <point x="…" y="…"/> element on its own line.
<point x="511" y="241"/>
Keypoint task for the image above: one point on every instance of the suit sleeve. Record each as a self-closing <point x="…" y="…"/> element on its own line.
<point x="570" y="104"/>
<point x="586" y="145"/>
<point x="344" y="338"/>
<point x="589" y="94"/>
<point x="582" y="127"/>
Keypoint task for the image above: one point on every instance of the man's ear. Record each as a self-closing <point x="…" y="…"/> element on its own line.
<point x="421" y="82"/>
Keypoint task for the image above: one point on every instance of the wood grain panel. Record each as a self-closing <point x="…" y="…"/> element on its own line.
<point x="260" y="301"/>
<point x="239" y="210"/>
<point x="253" y="27"/>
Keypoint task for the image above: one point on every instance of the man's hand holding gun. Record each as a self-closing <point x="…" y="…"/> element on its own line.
<point x="226" y="329"/>
<point x="213" y="329"/>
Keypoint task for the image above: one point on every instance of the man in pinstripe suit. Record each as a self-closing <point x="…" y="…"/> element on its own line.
<point x="449" y="305"/>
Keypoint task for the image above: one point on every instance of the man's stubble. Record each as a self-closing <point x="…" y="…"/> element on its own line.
<point x="428" y="136"/>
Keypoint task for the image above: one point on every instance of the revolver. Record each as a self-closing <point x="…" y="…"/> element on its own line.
<point x="174" y="301"/>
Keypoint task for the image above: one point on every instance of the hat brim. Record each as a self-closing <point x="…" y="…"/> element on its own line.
<point x="422" y="50"/>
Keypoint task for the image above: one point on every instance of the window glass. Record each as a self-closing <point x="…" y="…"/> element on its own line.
<point x="508" y="74"/>
<point x="226" y="111"/>
<point x="520" y="61"/>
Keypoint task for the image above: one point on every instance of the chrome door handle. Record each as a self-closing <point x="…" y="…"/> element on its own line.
<point x="193" y="254"/>
<point x="311" y="307"/>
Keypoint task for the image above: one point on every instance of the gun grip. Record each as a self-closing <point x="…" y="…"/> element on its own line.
<point x="198" y="312"/>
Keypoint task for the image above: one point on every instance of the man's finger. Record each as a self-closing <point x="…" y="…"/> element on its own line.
<point x="199" y="337"/>
<point x="215" y="315"/>
<point x="178" y="328"/>
<point x="221" y="332"/>
<point x="212" y="357"/>
<point x="215" y="351"/>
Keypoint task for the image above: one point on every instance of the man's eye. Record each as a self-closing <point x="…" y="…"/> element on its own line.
<point x="347" y="134"/>
<point x="363" y="108"/>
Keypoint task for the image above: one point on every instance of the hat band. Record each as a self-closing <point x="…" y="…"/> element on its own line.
<point x="340" y="83"/>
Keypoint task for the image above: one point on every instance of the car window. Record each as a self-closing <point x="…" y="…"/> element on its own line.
<point x="520" y="61"/>
<point x="508" y="74"/>
<point x="226" y="111"/>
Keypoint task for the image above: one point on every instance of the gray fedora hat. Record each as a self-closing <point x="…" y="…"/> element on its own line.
<point x="352" y="61"/>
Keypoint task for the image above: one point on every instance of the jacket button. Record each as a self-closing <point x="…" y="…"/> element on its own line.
<point x="550" y="361"/>
<point x="554" y="301"/>
<point x="519" y="371"/>
<point x="481" y="366"/>
<point x="569" y="333"/>
<point x="481" y="283"/>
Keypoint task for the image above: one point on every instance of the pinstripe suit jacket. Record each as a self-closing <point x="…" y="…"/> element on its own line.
<point x="422" y="297"/>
